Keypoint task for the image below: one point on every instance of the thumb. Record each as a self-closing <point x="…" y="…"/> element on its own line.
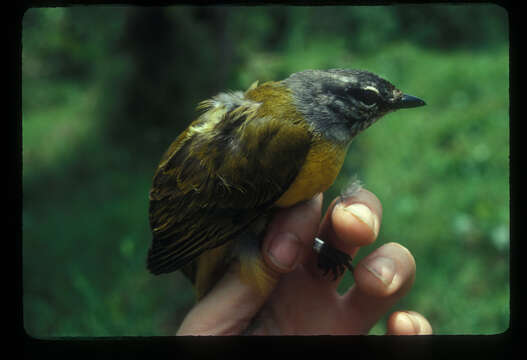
<point x="230" y="306"/>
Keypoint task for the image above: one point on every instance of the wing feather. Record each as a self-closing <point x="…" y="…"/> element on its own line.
<point x="222" y="173"/>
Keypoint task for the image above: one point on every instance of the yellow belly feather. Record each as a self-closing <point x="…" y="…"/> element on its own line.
<point x="320" y="170"/>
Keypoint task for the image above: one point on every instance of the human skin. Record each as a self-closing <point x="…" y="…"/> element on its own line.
<point x="304" y="302"/>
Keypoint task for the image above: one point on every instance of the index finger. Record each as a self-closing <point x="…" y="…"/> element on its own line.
<point x="349" y="223"/>
<point x="353" y="221"/>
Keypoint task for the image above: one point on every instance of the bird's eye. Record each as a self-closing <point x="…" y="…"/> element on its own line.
<point x="366" y="96"/>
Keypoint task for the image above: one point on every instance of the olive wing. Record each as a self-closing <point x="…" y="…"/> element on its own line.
<point x="217" y="178"/>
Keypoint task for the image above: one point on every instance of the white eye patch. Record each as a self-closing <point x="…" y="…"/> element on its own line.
<point x="369" y="87"/>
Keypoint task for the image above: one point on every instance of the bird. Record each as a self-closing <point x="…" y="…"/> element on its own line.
<point x="250" y="153"/>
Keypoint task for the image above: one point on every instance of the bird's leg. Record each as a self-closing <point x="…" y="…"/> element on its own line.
<point x="331" y="258"/>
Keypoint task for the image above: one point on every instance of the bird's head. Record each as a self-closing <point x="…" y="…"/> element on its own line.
<point x="340" y="103"/>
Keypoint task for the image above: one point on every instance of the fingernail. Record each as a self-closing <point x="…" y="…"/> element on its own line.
<point x="284" y="251"/>
<point x="365" y="215"/>
<point x="382" y="268"/>
<point x="416" y="324"/>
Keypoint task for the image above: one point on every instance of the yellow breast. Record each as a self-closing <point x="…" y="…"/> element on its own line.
<point x="323" y="163"/>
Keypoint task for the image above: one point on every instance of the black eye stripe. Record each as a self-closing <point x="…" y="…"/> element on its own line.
<point x="366" y="96"/>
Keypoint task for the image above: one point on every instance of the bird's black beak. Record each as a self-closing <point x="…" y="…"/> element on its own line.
<point x="409" y="101"/>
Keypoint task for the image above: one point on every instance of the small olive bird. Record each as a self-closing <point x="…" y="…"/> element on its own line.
<point x="247" y="154"/>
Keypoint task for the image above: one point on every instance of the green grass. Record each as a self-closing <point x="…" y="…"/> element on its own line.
<point x="85" y="229"/>
<point x="441" y="173"/>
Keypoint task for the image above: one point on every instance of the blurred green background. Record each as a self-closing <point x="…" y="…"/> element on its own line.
<point x="107" y="88"/>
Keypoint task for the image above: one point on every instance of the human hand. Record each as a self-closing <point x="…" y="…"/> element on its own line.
<point x="303" y="301"/>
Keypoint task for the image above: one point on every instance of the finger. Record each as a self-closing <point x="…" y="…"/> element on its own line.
<point x="232" y="304"/>
<point x="356" y="221"/>
<point x="349" y="223"/>
<point x="381" y="279"/>
<point x="408" y="323"/>
<point x="226" y="310"/>
<point x="289" y="237"/>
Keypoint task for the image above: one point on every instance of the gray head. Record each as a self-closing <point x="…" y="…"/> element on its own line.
<point x="340" y="103"/>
